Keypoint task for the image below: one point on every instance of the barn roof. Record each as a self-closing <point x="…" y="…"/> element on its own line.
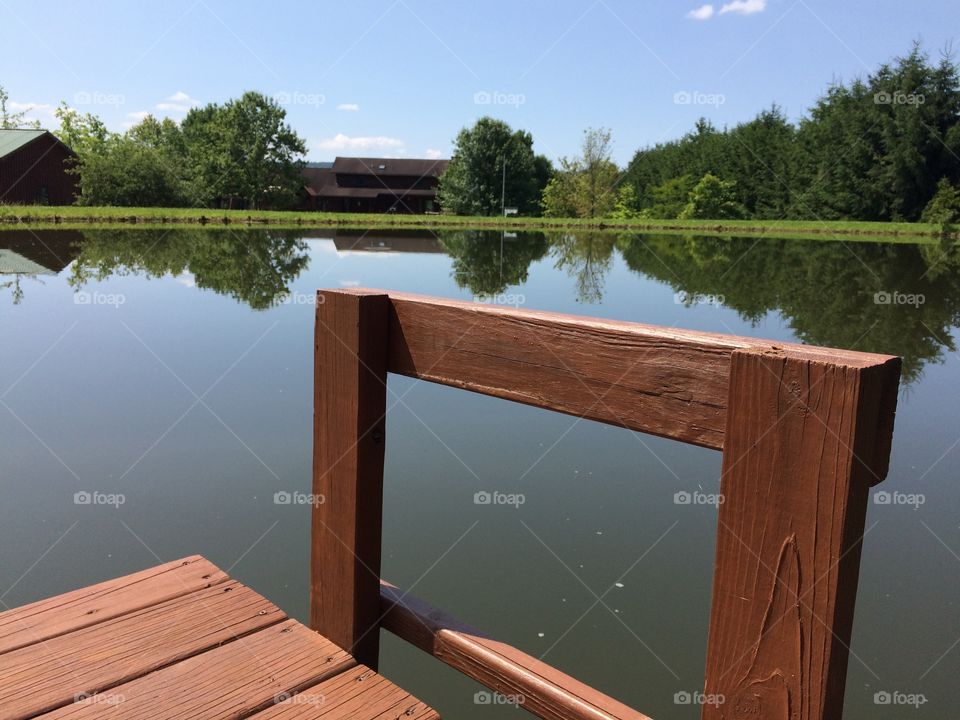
<point x="390" y="166"/>
<point x="11" y="140"/>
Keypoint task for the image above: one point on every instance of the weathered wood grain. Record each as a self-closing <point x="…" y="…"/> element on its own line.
<point x="349" y="408"/>
<point x="805" y="440"/>
<point x="657" y="380"/>
<point x="535" y="686"/>
<point x="81" y="608"/>
<point x="46" y="675"/>
<point x="226" y="683"/>
<point x="357" y="694"/>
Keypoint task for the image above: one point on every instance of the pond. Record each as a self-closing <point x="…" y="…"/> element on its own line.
<point x="171" y="371"/>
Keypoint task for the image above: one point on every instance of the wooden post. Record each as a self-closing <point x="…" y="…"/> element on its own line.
<point x="805" y="440"/>
<point x="349" y="407"/>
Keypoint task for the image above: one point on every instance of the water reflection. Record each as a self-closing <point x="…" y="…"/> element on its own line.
<point x="252" y="266"/>
<point x="850" y="295"/>
<point x="27" y="256"/>
<point x="487" y="263"/>
<point x="830" y="293"/>
<point x="586" y="257"/>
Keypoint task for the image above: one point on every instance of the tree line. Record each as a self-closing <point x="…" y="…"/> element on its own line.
<point x="884" y="147"/>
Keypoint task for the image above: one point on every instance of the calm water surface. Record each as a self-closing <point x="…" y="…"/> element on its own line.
<point x="173" y="368"/>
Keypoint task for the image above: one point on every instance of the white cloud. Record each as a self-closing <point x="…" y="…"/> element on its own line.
<point x="349" y="107"/>
<point x="179" y="102"/>
<point x="704" y="12"/>
<point x="34" y="111"/>
<point x="433" y="154"/>
<point x="744" y="7"/>
<point x="341" y="142"/>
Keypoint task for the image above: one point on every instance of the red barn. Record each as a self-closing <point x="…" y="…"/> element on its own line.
<point x="33" y="169"/>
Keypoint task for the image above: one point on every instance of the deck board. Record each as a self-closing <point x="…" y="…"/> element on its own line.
<point x="81" y="608"/>
<point x="359" y="694"/>
<point x="181" y="640"/>
<point x="49" y="674"/>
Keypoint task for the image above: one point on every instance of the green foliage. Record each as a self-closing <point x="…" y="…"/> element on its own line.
<point x="84" y="133"/>
<point x="585" y="186"/>
<point x="240" y="154"/>
<point x="669" y="198"/>
<point x="128" y="173"/>
<point x="944" y="208"/>
<point x="473" y="183"/>
<point x="243" y="150"/>
<point x="713" y="199"/>
<point x="873" y="149"/>
<point x="10" y="120"/>
<point x="626" y="206"/>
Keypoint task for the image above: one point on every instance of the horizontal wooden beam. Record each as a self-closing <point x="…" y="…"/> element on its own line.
<point x="663" y="381"/>
<point x="532" y="684"/>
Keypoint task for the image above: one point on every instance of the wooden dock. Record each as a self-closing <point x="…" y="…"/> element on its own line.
<point x="181" y="640"/>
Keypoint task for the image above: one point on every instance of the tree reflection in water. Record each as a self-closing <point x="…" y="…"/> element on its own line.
<point x="252" y="266"/>
<point x="829" y="292"/>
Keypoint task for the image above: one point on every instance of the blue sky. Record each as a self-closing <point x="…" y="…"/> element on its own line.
<point x="401" y="77"/>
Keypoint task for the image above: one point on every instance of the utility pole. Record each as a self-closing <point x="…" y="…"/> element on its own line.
<point x="503" y="191"/>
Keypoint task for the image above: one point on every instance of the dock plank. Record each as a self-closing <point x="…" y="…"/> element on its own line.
<point x="46" y="675"/>
<point x="226" y="683"/>
<point x="88" y="606"/>
<point x="358" y="694"/>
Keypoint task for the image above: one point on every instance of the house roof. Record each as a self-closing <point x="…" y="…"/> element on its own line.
<point x="389" y="166"/>
<point x="13" y="263"/>
<point x="11" y="140"/>
<point x="349" y="192"/>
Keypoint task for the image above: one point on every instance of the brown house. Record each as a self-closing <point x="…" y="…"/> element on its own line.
<point x="33" y="169"/>
<point x="376" y="185"/>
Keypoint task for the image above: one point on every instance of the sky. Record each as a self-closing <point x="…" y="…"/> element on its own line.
<point x="400" y="78"/>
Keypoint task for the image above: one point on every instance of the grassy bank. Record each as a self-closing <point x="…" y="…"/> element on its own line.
<point x="34" y="216"/>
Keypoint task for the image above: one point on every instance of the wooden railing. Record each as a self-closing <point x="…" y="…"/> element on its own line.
<point x="805" y="432"/>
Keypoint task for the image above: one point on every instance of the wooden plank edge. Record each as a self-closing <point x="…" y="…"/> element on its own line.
<point x="538" y="688"/>
<point x="100" y="592"/>
<point x="270" y="619"/>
